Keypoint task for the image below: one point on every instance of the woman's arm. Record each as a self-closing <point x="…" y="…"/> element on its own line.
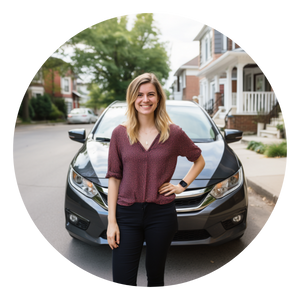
<point x="168" y="188"/>
<point x="113" y="233"/>
<point x="194" y="171"/>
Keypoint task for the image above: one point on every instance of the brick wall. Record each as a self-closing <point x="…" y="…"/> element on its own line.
<point x="192" y="87"/>
<point x="242" y="122"/>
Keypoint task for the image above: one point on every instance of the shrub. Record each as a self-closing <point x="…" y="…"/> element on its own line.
<point x="61" y="105"/>
<point x="250" y="145"/>
<point x="254" y="145"/>
<point x="275" y="150"/>
<point x="42" y="106"/>
<point x="260" y="148"/>
<point x="55" y="113"/>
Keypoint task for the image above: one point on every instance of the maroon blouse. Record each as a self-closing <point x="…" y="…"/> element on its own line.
<point x="143" y="171"/>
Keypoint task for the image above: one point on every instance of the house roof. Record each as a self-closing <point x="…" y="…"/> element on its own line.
<point x="76" y="93"/>
<point x="230" y="58"/>
<point x="201" y="33"/>
<point x="191" y="64"/>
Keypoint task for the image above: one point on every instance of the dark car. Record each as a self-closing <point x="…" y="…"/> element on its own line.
<point x="213" y="209"/>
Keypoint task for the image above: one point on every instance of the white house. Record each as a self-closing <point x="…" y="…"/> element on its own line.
<point x="230" y="82"/>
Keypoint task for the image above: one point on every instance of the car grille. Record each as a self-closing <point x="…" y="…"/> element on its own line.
<point x="189" y="202"/>
<point x="186" y="204"/>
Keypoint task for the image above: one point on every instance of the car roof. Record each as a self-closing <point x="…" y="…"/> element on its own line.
<point x="186" y="103"/>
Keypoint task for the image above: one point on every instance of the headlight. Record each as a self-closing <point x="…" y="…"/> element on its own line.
<point x="227" y="186"/>
<point x="84" y="186"/>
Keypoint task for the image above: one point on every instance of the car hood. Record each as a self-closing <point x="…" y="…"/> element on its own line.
<point x="220" y="163"/>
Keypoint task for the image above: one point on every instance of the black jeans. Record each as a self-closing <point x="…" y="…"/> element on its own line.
<point x="156" y="224"/>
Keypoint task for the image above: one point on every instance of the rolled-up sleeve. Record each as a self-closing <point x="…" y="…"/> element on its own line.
<point x="115" y="166"/>
<point x="186" y="147"/>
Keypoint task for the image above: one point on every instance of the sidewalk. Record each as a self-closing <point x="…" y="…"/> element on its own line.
<point x="264" y="175"/>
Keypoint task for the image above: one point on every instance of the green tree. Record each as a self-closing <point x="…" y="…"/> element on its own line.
<point x="98" y="98"/>
<point x="113" y="55"/>
<point x="30" y="110"/>
<point x="24" y="111"/>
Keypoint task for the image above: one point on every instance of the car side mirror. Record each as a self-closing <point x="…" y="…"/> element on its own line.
<point x="77" y="135"/>
<point x="232" y="135"/>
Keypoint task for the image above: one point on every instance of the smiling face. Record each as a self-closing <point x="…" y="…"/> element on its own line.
<point x="147" y="99"/>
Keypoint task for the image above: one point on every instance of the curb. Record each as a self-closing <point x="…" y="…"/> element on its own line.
<point x="244" y="142"/>
<point x="40" y="123"/>
<point x="261" y="191"/>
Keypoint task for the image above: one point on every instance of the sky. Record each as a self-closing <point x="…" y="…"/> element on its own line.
<point x="180" y="33"/>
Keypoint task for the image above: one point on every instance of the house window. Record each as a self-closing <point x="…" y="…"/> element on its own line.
<point x="74" y="84"/>
<point x="248" y="83"/>
<point x="66" y="85"/>
<point x="259" y="82"/>
<point x="210" y="43"/>
<point x="206" y="48"/>
<point x="233" y="45"/>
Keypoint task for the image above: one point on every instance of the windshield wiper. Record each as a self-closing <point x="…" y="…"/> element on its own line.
<point x="102" y="139"/>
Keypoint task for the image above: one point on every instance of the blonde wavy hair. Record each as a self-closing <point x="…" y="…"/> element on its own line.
<point x="162" y="119"/>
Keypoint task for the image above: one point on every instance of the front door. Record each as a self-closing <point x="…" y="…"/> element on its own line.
<point x="259" y="83"/>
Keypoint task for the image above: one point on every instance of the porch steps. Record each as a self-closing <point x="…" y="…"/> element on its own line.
<point x="271" y="130"/>
<point x="219" y="117"/>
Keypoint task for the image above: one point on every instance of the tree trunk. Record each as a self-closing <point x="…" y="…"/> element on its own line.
<point x="25" y="111"/>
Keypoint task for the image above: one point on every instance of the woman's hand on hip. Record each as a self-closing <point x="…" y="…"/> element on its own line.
<point x="113" y="235"/>
<point x="168" y="189"/>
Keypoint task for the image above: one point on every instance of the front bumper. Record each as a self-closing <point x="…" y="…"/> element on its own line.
<point x="210" y="226"/>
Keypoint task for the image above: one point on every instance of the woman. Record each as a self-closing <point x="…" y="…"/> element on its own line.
<point x="142" y="158"/>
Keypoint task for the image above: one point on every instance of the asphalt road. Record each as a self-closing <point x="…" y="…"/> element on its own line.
<point x="42" y="154"/>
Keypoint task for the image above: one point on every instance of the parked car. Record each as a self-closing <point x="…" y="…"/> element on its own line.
<point x="82" y="115"/>
<point x="213" y="209"/>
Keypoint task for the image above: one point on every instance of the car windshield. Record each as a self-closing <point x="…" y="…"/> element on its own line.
<point x="190" y="118"/>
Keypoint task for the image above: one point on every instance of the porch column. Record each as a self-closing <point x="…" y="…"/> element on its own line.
<point x="240" y="77"/>
<point x="217" y="84"/>
<point x="228" y="94"/>
<point x="206" y="94"/>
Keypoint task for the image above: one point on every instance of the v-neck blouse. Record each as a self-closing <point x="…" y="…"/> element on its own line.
<point x="143" y="171"/>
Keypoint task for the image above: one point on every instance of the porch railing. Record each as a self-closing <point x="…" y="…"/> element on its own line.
<point x="258" y="102"/>
<point x="212" y="105"/>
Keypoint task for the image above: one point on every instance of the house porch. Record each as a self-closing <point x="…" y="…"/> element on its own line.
<point x="244" y="91"/>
